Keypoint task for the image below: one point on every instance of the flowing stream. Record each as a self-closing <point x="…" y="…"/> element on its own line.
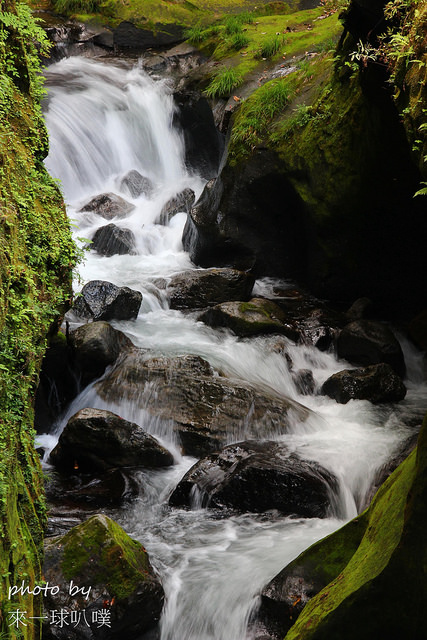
<point x="104" y="120"/>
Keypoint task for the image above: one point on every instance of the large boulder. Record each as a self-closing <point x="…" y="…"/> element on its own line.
<point x="202" y="288"/>
<point x="94" y="346"/>
<point x="258" y="476"/>
<point x="97" y="440"/>
<point x="377" y="383"/>
<point x="417" y="330"/>
<point x="109" y="206"/>
<point x="204" y="144"/>
<point x="199" y="405"/>
<point x="128" y="36"/>
<point x="135" y="184"/>
<point x="114" y="577"/>
<point x="182" y="201"/>
<point x="258" y="316"/>
<point x="101" y="300"/>
<point x="368" y="342"/>
<point x="110" y="240"/>
<point x="249" y="217"/>
<point x="380" y="590"/>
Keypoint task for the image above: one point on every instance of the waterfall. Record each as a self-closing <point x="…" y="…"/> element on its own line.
<point x="107" y="119"/>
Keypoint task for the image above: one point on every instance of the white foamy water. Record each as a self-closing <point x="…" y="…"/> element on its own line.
<point x="105" y="120"/>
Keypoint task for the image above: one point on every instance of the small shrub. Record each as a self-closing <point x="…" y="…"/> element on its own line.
<point x="232" y="25"/>
<point x="223" y="83"/>
<point x="271" y="46"/>
<point x="195" y="34"/>
<point x="76" y="6"/>
<point x="239" y="40"/>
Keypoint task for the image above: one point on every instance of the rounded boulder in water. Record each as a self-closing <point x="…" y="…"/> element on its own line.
<point x="97" y="440"/>
<point x="102" y="300"/>
<point x="109" y="206"/>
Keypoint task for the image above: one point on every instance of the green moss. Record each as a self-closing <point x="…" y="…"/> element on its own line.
<point x="36" y="257"/>
<point x="349" y="606"/>
<point x="100" y="548"/>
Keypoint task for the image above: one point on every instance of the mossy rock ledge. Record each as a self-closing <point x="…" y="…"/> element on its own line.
<point x="99" y="554"/>
<point x="369" y="576"/>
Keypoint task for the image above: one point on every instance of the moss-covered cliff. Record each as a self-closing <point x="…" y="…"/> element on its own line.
<point x="381" y="591"/>
<point x="341" y="143"/>
<point x="36" y="258"/>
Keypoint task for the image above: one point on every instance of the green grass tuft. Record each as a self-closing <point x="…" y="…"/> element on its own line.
<point x="271" y="45"/>
<point x="223" y="83"/>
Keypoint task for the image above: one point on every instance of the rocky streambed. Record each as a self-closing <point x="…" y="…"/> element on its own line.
<point x="226" y="423"/>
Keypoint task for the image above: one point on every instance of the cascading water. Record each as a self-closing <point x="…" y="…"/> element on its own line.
<point x="105" y="120"/>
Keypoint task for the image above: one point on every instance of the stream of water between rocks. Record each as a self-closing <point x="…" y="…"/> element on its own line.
<point x="105" y="119"/>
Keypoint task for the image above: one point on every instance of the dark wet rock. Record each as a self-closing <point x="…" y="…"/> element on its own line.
<point x="360" y="309"/>
<point x="417" y="330"/>
<point x="258" y="476"/>
<point x="319" y="327"/>
<point x="136" y="184"/>
<point x="109" y="206"/>
<point x="183" y="201"/>
<point x="304" y="381"/>
<point x="128" y="36"/>
<point x="101" y="300"/>
<point x="94" y="346"/>
<point x="99" y="554"/>
<point x="196" y="288"/>
<point x="97" y="440"/>
<point x="199" y="405"/>
<point x="111" y="240"/>
<point x="258" y="316"/>
<point x="204" y="144"/>
<point x="104" y="38"/>
<point x="57" y="384"/>
<point x="249" y="217"/>
<point x="377" y="383"/>
<point x="93" y="490"/>
<point x="368" y="342"/>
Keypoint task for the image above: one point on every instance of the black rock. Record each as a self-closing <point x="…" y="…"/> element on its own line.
<point x="128" y="36"/>
<point x="97" y="440"/>
<point x="304" y="381"/>
<point x="200" y="288"/>
<point x="204" y="144"/>
<point x="94" y="346"/>
<point x="110" y="240"/>
<point x="183" y="201"/>
<point x="258" y="476"/>
<point x="368" y="342"/>
<point x="101" y="300"/>
<point x="109" y="205"/>
<point x="136" y="184"/>
<point x="377" y="383"/>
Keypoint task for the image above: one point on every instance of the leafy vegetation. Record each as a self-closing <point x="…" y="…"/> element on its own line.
<point x="271" y="45"/>
<point x="223" y="83"/>
<point x="36" y="258"/>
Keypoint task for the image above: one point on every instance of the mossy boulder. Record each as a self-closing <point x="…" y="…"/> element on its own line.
<point x="255" y="317"/>
<point x="381" y="590"/>
<point x="100" y="555"/>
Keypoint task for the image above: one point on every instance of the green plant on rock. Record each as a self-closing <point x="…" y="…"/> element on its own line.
<point x="223" y="83"/>
<point x="239" y="41"/>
